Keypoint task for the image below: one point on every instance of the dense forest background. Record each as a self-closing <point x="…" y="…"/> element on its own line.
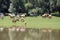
<point x="30" y="6"/>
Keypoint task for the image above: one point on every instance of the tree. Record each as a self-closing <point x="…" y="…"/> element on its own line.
<point x="4" y="5"/>
<point x="18" y="5"/>
<point x="11" y="8"/>
<point x="27" y="7"/>
<point x="58" y="2"/>
<point x="58" y="6"/>
<point x="0" y="5"/>
<point x="53" y="5"/>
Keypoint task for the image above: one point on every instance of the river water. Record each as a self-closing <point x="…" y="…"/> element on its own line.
<point x="29" y="34"/>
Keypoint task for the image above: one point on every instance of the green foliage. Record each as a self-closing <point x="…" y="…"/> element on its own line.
<point x="40" y="10"/>
<point x="14" y="1"/>
<point x="33" y="5"/>
<point x="11" y="8"/>
<point x="58" y="2"/>
<point x="33" y="11"/>
<point x="18" y="5"/>
<point x="28" y="5"/>
<point x="37" y="11"/>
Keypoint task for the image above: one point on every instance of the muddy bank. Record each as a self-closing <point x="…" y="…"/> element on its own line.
<point x="29" y="34"/>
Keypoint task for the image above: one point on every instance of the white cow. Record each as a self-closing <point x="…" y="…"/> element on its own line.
<point x="50" y="16"/>
<point x="23" y="15"/>
<point x="11" y="15"/>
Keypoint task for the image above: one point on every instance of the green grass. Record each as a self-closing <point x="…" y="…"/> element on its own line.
<point x="34" y="22"/>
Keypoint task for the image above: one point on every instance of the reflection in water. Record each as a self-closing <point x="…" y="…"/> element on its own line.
<point x="4" y="34"/>
<point x="29" y="34"/>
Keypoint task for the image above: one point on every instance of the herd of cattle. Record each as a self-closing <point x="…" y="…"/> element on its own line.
<point x="21" y="17"/>
<point x="13" y="16"/>
<point x="16" y="18"/>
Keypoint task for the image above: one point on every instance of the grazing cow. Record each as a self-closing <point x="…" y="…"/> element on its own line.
<point x="1" y="15"/>
<point x="17" y="17"/>
<point x="45" y="15"/>
<point x="14" y="20"/>
<point x="23" y="22"/>
<point x="22" y="17"/>
<point x="11" y="15"/>
<point x="50" y="16"/>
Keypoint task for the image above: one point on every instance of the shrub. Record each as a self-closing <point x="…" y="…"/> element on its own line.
<point x="28" y="5"/>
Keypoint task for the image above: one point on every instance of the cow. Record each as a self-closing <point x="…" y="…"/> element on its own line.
<point x="14" y="20"/>
<point x="11" y="15"/>
<point x="22" y="17"/>
<point x="45" y="15"/>
<point x="50" y="16"/>
<point x="17" y="17"/>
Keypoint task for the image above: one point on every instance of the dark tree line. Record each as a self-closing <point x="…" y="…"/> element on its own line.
<point x="4" y="5"/>
<point x="30" y="6"/>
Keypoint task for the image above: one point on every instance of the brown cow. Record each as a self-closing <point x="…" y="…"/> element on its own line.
<point x="14" y="20"/>
<point x="50" y="16"/>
